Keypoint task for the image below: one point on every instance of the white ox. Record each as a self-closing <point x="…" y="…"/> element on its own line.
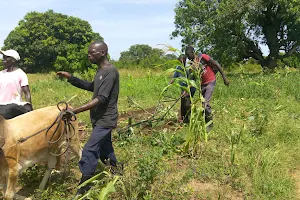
<point x="15" y="158"/>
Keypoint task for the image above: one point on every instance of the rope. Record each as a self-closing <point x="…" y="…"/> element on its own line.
<point x="67" y="117"/>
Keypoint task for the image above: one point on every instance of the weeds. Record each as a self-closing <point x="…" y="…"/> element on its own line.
<point x="148" y="167"/>
<point x="252" y="150"/>
<point x="191" y="77"/>
<point x="168" y="143"/>
<point x="104" y="186"/>
<point x="235" y="139"/>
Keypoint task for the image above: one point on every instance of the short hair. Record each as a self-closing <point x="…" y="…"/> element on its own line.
<point x="189" y="48"/>
<point x="101" y="44"/>
<point x="98" y="42"/>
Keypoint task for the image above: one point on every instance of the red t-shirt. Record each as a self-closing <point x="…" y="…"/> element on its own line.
<point x="208" y="74"/>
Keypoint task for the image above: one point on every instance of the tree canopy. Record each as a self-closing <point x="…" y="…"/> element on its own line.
<point x="234" y="30"/>
<point x="143" y="55"/>
<point x="49" y="40"/>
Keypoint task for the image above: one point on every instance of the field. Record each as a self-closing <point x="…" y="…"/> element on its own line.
<point x="253" y="151"/>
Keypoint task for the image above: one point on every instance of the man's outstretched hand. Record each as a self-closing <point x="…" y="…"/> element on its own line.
<point x="62" y="74"/>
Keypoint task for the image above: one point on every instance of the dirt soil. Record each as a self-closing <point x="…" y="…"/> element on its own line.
<point x="212" y="191"/>
<point x="296" y="178"/>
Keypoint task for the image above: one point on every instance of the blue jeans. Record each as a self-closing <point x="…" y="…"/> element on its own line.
<point x="98" y="146"/>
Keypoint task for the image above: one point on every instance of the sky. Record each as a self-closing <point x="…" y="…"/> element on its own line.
<point x="121" y="23"/>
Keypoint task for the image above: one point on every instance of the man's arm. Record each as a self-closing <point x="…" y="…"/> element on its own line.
<point x="215" y="64"/>
<point x="24" y="86"/>
<point x="87" y="106"/>
<point x="103" y="93"/>
<point x="86" y="85"/>
<point x="26" y="91"/>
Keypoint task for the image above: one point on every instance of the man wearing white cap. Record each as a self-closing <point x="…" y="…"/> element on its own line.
<point x="13" y="80"/>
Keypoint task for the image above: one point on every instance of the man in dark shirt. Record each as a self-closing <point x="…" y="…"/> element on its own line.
<point x="185" y="105"/>
<point x="103" y="111"/>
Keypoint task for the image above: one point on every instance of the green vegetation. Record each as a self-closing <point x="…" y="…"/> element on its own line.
<point x="253" y="149"/>
<point x="196" y="135"/>
<point x="232" y="30"/>
<point x="51" y="41"/>
<point x="143" y="56"/>
<point x="252" y="152"/>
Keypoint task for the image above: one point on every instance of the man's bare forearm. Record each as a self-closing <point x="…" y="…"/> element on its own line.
<point x="220" y="69"/>
<point x="28" y="98"/>
<point x="27" y="94"/>
<point x="87" y="106"/>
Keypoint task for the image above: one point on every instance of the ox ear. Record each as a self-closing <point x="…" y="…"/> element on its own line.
<point x="2" y="131"/>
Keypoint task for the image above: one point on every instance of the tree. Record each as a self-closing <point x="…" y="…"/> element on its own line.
<point x="170" y="56"/>
<point x="139" y="52"/>
<point x="1" y="66"/>
<point x="48" y="41"/>
<point x="233" y="30"/>
<point x="142" y="55"/>
<point x="292" y="61"/>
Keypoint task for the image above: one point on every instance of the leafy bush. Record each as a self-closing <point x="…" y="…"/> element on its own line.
<point x="49" y="40"/>
<point x="143" y="56"/>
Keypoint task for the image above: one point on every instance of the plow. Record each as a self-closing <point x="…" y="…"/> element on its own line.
<point x="155" y="114"/>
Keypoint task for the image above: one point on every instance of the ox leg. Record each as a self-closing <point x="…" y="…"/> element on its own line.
<point x="75" y="142"/>
<point x="51" y="165"/>
<point x="77" y="150"/>
<point x="58" y="163"/>
<point x="11" y="183"/>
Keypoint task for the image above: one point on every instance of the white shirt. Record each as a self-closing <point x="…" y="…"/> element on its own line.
<point x="11" y="84"/>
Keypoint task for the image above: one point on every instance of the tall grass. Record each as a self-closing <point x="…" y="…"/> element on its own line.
<point x="251" y="152"/>
<point x="191" y="77"/>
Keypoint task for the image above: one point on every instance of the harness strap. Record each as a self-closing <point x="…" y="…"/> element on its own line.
<point x="67" y="117"/>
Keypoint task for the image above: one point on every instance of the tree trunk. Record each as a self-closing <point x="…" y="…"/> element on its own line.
<point x="269" y="63"/>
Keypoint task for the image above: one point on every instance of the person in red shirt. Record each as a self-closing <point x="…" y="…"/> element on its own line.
<point x="208" y="77"/>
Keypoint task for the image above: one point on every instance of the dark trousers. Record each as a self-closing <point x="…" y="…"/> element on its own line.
<point x="207" y="91"/>
<point x="98" y="146"/>
<point x="185" y="108"/>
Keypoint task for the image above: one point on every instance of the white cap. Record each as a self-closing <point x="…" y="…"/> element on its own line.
<point x="11" y="53"/>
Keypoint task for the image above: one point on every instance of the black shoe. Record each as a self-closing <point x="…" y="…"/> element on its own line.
<point x="83" y="189"/>
<point x="209" y="127"/>
<point x="118" y="169"/>
<point x="115" y="168"/>
<point x="186" y="120"/>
